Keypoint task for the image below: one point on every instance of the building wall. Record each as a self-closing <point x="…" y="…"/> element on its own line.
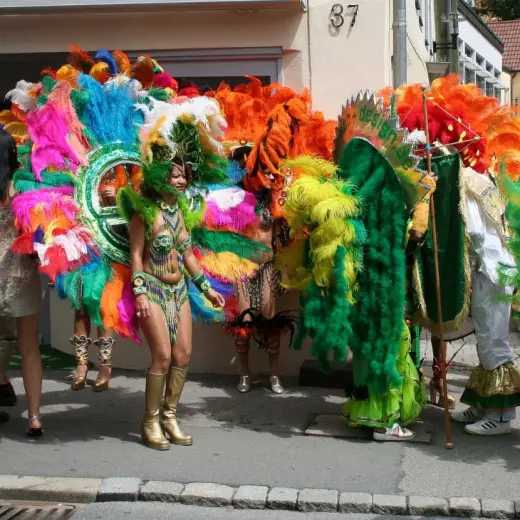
<point x="506" y="80"/>
<point x="335" y="64"/>
<point x="418" y="52"/>
<point x="349" y="59"/>
<point x="515" y="90"/>
<point x="473" y="37"/>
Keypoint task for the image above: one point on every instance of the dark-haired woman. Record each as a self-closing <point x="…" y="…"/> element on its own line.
<point x="20" y="291"/>
<point x="160" y="251"/>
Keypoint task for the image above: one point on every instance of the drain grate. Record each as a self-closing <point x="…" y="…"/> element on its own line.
<point x="46" y="512"/>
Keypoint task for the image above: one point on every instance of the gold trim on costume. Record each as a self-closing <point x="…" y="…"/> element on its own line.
<point x="503" y="380"/>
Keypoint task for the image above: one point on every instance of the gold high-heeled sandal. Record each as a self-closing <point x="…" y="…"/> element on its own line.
<point x="437" y="394"/>
<point x="169" y="424"/>
<point x="105" y="346"/>
<point x="80" y="344"/>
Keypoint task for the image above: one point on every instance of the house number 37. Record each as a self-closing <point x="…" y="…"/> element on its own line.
<point x="339" y="12"/>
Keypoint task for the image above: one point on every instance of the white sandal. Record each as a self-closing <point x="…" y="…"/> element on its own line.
<point x="394" y="434"/>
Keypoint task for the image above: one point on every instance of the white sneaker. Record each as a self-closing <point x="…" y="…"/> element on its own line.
<point x="488" y="427"/>
<point x="467" y="416"/>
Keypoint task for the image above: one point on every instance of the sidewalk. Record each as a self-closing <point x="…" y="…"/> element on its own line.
<point x="252" y="439"/>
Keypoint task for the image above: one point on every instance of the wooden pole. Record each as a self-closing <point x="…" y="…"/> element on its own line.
<point x="443" y="367"/>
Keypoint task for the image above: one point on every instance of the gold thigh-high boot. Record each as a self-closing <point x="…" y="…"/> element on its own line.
<point x="151" y="433"/>
<point x="80" y="344"/>
<point x="174" y="386"/>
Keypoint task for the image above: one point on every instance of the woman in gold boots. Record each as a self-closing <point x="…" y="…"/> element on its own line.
<point x="161" y="256"/>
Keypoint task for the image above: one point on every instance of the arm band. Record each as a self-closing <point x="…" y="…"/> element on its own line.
<point x="201" y="282"/>
<point x="184" y="245"/>
<point x="138" y="279"/>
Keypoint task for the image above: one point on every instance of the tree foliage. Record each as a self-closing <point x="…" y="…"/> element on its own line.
<point x="503" y="9"/>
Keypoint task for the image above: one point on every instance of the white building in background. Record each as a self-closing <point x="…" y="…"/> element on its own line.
<point x="333" y="47"/>
<point x="481" y="53"/>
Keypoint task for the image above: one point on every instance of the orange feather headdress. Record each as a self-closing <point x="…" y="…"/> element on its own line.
<point x="459" y="113"/>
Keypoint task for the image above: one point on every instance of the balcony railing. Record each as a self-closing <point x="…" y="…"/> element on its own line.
<point x="50" y="6"/>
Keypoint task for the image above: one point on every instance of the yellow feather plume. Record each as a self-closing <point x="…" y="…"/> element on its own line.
<point x="308" y="165"/>
<point x="228" y="266"/>
<point x="323" y="211"/>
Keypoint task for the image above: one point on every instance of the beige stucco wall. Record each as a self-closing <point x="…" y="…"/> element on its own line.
<point x="416" y="49"/>
<point x="515" y="90"/>
<point x="165" y="31"/>
<point x="347" y="60"/>
<point x="506" y="81"/>
<point x="212" y="350"/>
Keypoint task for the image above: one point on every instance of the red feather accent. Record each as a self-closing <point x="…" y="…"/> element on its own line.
<point x="23" y="245"/>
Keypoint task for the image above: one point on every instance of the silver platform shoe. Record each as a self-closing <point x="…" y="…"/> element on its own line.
<point x="276" y="385"/>
<point x="244" y="384"/>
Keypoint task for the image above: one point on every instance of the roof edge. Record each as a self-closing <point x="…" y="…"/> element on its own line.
<point x="473" y="17"/>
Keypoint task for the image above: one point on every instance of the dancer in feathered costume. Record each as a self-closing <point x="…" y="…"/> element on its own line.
<point x="77" y="131"/>
<point x="484" y="135"/>
<point x="267" y="125"/>
<point x="178" y="142"/>
<point x="375" y="158"/>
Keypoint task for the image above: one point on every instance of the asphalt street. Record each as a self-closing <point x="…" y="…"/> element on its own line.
<point x="256" y="438"/>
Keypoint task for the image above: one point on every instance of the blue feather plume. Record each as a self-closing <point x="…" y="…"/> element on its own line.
<point x="235" y="172"/>
<point x="108" y="112"/>
<point x="104" y="55"/>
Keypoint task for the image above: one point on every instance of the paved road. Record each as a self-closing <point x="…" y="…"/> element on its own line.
<point x="255" y="438"/>
<point x="157" y="511"/>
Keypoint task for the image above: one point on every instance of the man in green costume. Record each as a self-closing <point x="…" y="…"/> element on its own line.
<point x="388" y="391"/>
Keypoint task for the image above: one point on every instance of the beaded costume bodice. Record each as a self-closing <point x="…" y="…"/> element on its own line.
<point x="165" y="251"/>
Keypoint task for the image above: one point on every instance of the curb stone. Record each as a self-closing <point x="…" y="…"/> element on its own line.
<point x="465" y="507"/>
<point x="119" y="490"/>
<point x="390" y="505"/>
<point x="251" y="497"/>
<point x="427" y="506"/>
<point x="322" y="500"/>
<point x="157" y="491"/>
<point x="207" y="495"/>
<point x="355" y="503"/>
<point x="285" y="499"/>
<point x="498" y="509"/>
<point x="88" y="490"/>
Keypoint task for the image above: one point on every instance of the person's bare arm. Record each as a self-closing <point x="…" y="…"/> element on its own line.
<point x="193" y="267"/>
<point x="137" y="243"/>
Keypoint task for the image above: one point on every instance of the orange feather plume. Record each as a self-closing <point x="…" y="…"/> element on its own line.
<point x="458" y="113"/>
<point x="123" y="62"/>
<point x="112" y="295"/>
<point x="80" y="59"/>
<point x="143" y="71"/>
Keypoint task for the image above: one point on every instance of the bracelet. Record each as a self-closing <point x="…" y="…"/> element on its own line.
<point x="138" y="279"/>
<point x="139" y="290"/>
<point x="201" y="282"/>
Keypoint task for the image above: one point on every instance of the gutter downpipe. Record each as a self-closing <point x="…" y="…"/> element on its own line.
<point x="400" y="56"/>
<point x="454" y="29"/>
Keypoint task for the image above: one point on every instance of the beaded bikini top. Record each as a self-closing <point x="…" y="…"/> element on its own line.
<point x="162" y="246"/>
